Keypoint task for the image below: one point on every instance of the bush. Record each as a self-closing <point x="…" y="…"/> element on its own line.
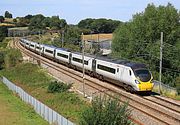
<point x="1" y="59"/>
<point x="106" y="111"/>
<point x="58" y="87"/>
<point x="12" y="58"/>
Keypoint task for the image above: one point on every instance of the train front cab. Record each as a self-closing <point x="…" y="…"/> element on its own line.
<point x="143" y="80"/>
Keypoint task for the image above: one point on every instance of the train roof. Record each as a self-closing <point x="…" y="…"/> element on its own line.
<point x="49" y="46"/>
<point x="135" y="66"/>
<point x="64" y="49"/>
<point x="127" y="63"/>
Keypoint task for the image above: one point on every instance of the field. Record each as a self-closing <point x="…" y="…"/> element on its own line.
<point x="15" y="112"/>
<point x="6" y="24"/>
<point x="95" y="37"/>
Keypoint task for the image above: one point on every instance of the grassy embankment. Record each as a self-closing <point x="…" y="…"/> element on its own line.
<point x="15" y="112"/>
<point x="167" y="93"/>
<point x="35" y="81"/>
<point x="4" y="44"/>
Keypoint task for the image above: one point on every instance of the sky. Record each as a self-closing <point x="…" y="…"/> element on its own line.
<point x="74" y="11"/>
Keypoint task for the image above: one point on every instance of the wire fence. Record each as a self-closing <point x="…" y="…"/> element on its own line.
<point x="44" y="111"/>
<point x="165" y="87"/>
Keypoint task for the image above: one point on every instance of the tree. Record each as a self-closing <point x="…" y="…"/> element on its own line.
<point x="63" y="23"/>
<point x="22" y="22"/>
<point x="7" y="15"/>
<point x="139" y="39"/>
<point x="99" y="25"/>
<point x="2" y="54"/>
<point x="36" y="22"/>
<point x="28" y="16"/>
<point x="46" y="22"/>
<point x="106" y="111"/>
<point x="86" y="24"/>
<point x="3" y="32"/>
<point x="57" y="23"/>
<point x="1" y="19"/>
<point x="73" y="34"/>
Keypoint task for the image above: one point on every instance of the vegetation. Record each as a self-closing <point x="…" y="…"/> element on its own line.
<point x="139" y="40"/>
<point x="4" y="43"/>
<point x="14" y="111"/>
<point x="7" y="15"/>
<point x="1" y="19"/>
<point x="3" y="32"/>
<point x="99" y="25"/>
<point x="58" y="87"/>
<point x="106" y="111"/>
<point x="36" y="83"/>
<point x="12" y="58"/>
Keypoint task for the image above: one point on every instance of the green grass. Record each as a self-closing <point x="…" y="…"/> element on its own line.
<point x="177" y="97"/>
<point x="15" y="112"/>
<point x="4" y="43"/>
<point x="35" y="81"/>
<point x="168" y="93"/>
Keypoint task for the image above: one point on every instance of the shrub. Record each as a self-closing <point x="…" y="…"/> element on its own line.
<point x="58" y="87"/>
<point x="106" y="111"/>
<point x="2" y="54"/>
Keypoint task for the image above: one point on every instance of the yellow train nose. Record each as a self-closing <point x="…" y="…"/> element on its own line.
<point x="145" y="86"/>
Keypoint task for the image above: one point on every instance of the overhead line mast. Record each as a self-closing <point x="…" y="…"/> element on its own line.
<point x="160" y="62"/>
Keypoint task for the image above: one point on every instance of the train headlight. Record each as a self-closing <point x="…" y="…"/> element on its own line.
<point x="137" y="82"/>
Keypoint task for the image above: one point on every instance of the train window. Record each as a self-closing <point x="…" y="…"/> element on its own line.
<point x="117" y="69"/>
<point x="130" y="72"/>
<point x="105" y="68"/>
<point x="49" y="51"/>
<point x="32" y="45"/>
<point x="62" y="55"/>
<point x="37" y="47"/>
<point x="80" y="60"/>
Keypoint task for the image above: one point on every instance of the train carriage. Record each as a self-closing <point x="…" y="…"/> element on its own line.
<point x="32" y="46"/>
<point x="76" y="60"/>
<point x="27" y="43"/>
<point x="49" y="51"/>
<point x="63" y="56"/>
<point x="39" y="48"/>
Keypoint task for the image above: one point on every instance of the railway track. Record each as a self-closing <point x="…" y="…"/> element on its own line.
<point x="165" y="103"/>
<point x="160" y="110"/>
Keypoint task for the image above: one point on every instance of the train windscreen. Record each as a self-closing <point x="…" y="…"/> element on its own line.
<point x="143" y="74"/>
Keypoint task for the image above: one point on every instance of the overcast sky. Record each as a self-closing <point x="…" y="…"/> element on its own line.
<point x="75" y="10"/>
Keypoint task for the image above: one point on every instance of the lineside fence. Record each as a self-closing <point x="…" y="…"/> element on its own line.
<point x="44" y="111"/>
<point x="164" y="87"/>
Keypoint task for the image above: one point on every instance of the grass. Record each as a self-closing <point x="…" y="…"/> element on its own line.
<point x="35" y="81"/>
<point x="168" y="93"/>
<point x="177" y="97"/>
<point x="4" y="43"/>
<point x="15" y="112"/>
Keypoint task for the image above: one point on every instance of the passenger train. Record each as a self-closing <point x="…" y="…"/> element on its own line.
<point x="134" y="77"/>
